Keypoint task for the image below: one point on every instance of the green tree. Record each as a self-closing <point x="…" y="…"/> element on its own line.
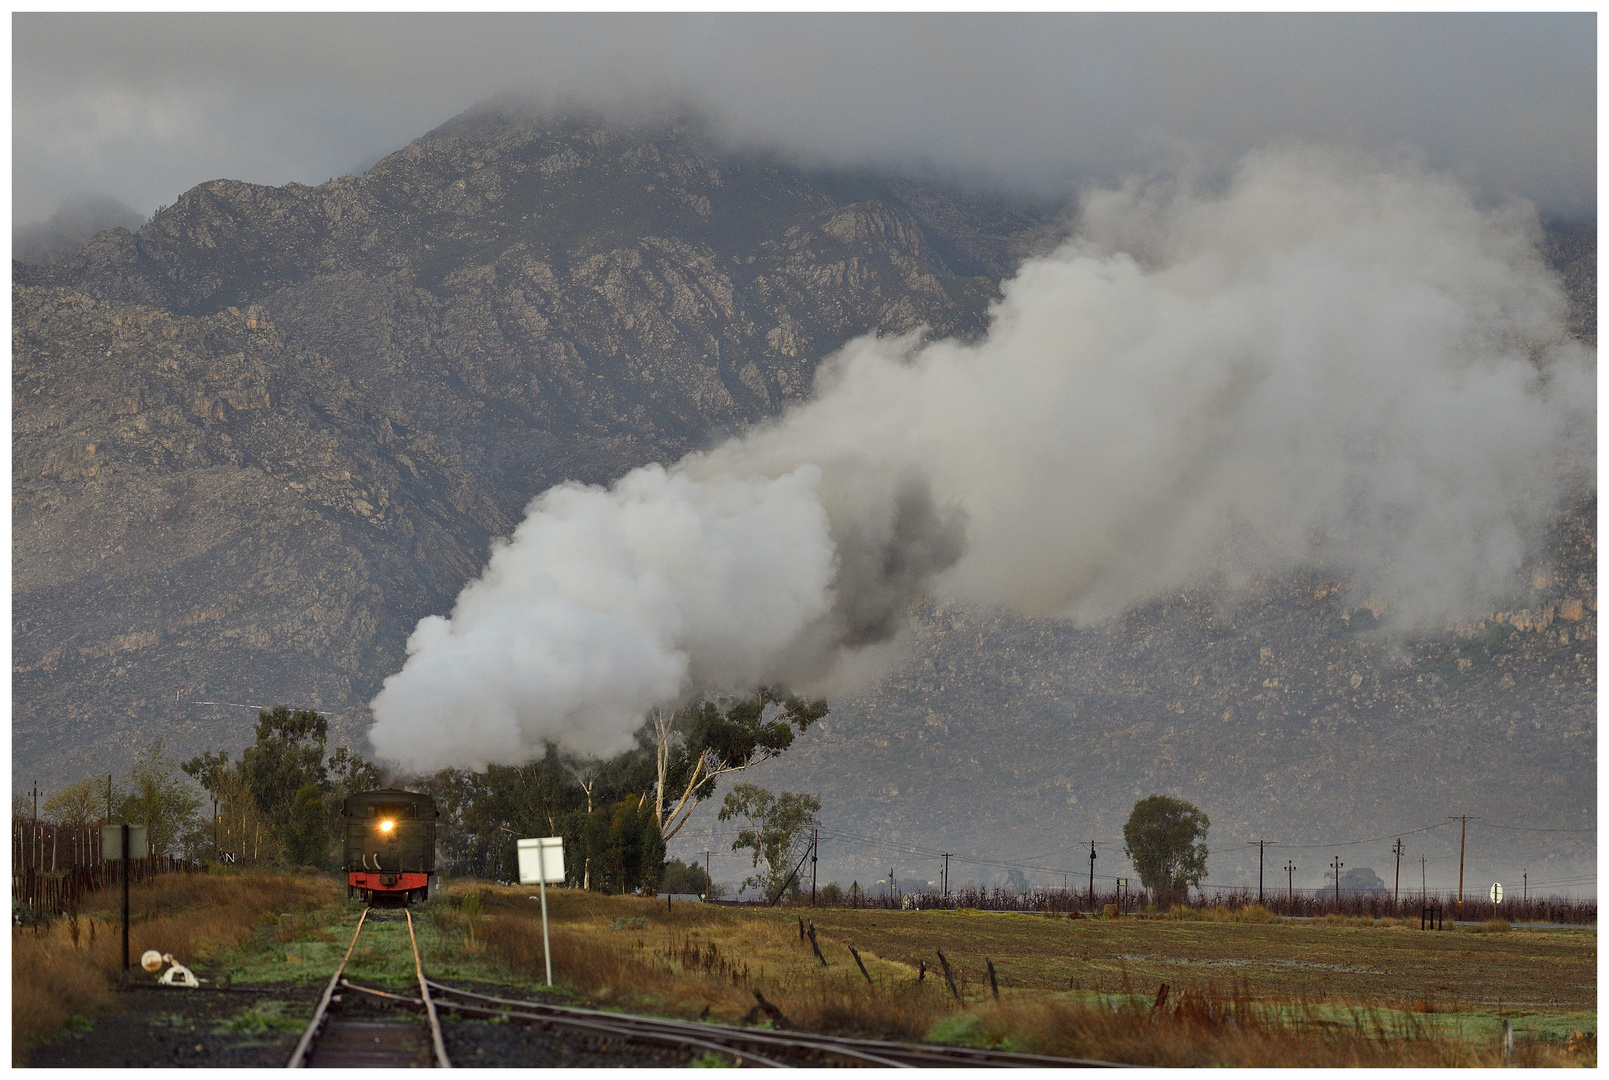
<point x="776" y="830"/>
<point x="1165" y="838"/>
<point x="688" y="877"/>
<point x="709" y="739"/>
<point x="625" y="846"/>
<point x="256" y="791"/>
<point x="82" y="803"/>
<point x="156" y="796"/>
<point x="673" y="766"/>
<point x="288" y="753"/>
<point x="210" y="770"/>
<point x="350" y="773"/>
<point x="307" y="837"/>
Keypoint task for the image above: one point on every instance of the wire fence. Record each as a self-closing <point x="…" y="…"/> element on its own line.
<point x="45" y="847"/>
<point x="53" y="867"/>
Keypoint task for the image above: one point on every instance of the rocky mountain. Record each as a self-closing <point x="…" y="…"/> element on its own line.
<point x="236" y="428"/>
<point x="257" y="438"/>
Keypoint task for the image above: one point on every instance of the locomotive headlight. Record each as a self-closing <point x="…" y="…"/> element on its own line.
<point x="387" y="826"/>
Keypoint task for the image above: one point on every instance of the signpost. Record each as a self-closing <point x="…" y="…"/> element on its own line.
<point x="123" y="841"/>
<point x="1496" y="895"/>
<point x="541" y="860"/>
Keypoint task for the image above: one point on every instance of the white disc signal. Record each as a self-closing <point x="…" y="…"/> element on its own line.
<point x="1497" y="892"/>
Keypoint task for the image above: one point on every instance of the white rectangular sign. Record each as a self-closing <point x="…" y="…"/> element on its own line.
<point x="112" y="841"/>
<point x="541" y="860"/>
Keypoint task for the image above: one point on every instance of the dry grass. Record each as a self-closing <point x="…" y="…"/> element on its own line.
<point x="694" y="978"/>
<point x="1248" y="913"/>
<point x="71" y="966"/>
<point x="1208" y="1028"/>
<point x="50" y="982"/>
<point x="707" y="961"/>
<point x="699" y="961"/>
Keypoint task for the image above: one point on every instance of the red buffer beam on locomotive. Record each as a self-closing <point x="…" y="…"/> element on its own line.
<point x="388" y="849"/>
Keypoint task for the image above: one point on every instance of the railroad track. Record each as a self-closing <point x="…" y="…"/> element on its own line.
<point x="751" y="1047"/>
<point x="334" y="1040"/>
<point x="340" y="1042"/>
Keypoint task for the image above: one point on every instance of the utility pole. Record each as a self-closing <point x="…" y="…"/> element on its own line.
<point x="1525" y="885"/>
<point x="1290" y="886"/>
<point x="946" y="875"/>
<point x="108" y="796"/>
<point x="1398" y="887"/>
<point x="1338" y="864"/>
<point x="891" y="896"/>
<point x="815" y="849"/>
<point x="1092" y="876"/>
<point x="36" y="802"/>
<point x="1259" y="844"/>
<point x="1463" y="831"/>
<point x="1421" y="879"/>
<point x="707" y="889"/>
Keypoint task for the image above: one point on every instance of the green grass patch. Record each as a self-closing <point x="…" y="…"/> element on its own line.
<point x="965" y="1029"/>
<point x="307" y="949"/>
<point x="265" y="1018"/>
<point x="711" y="1060"/>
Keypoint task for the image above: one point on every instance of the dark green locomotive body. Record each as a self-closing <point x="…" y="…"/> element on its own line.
<point x="388" y="847"/>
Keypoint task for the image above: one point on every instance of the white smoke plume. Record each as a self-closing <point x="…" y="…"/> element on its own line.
<point x="1331" y="362"/>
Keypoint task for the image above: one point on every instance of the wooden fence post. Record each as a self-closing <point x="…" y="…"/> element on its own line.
<point x="860" y="964"/>
<point x="949" y="976"/>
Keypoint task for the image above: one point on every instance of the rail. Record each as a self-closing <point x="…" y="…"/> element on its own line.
<point x="733" y="1041"/>
<point x="746" y="1047"/>
<point x="316" y="1027"/>
<point x="305" y="1043"/>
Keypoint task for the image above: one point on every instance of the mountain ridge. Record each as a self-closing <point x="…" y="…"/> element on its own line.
<point x="259" y="437"/>
<point x="489" y="321"/>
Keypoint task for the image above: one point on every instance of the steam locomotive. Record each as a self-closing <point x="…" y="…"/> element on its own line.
<point x="388" y="850"/>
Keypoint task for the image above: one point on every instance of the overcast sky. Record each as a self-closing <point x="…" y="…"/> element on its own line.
<point x="142" y="107"/>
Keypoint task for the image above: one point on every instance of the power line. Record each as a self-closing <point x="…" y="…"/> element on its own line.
<point x="1021" y="862"/>
<point x="979" y="861"/>
<point x="1352" y="843"/>
<point x="1585" y="879"/>
<point x="1024" y="863"/>
<point x="852" y="838"/>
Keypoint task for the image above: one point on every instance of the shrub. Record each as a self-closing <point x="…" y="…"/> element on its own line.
<point x="1248" y="913"/>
